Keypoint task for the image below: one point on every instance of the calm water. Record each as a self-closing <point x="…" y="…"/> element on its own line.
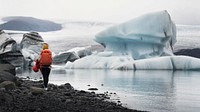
<point x="156" y="91"/>
<point x="167" y="91"/>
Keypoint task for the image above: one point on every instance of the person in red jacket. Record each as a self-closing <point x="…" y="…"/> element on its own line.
<point x="45" y="61"/>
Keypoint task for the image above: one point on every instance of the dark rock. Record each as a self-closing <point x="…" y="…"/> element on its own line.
<point x="8" y="85"/>
<point x="7" y="72"/>
<point x="68" y="86"/>
<point x="40" y="81"/>
<point x="27" y="97"/>
<point x="82" y="91"/>
<point x="93" y="89"/>
<point x="61" y="87"/>
<point x="28" y="77"/>
<point x="5" y="76"/>
<point x="67" y="94"/>
<point x="68" y="100"/>
<point x="2" y="89"/>
<point x="38" y="109"/>
<point x="36" y="90"/>
<point x="5" y="98"/>
<point x="51" y="86"/>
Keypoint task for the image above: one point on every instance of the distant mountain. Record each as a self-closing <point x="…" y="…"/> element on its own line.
<point x="29" y="24"/>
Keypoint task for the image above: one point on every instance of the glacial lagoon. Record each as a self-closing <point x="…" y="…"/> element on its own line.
<point x="150" y="90"/>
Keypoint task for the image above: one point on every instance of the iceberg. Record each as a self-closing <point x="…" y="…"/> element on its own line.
<point x="7" y="43"/>
<point x="145" y="42"/>
<point x="31" y="46"/>
<point x="151" y="35"/>
<point x="71" y="55"/>
<point x="103" y="60"/>
<point x="81" y="51"/>
<point x="14" y="58"/>
<point x="64" y="57"/>
<point x="168" y="63"/>
<point x="127" y="63"/>
<point x="9" y="51"/>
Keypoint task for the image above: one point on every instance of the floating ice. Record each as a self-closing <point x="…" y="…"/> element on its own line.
<point x="6" y="42"/>
<point x="64" y="57"/>
<point x="100" y="61"/>
<point x="169" y="63"/>
<point x="145" y="42"/>
<point x="9" y="51"/>
<point x="71" y="55"/>
<point x="81" y="51"/>
<point x="31" y="46"/>
<point x="147" y="36"/>
<point x="97" y="61"/>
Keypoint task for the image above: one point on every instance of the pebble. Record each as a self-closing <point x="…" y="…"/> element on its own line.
<point x="94" y="89"/>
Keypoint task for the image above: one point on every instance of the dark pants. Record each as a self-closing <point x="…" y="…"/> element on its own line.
<point x="45" y="73"/>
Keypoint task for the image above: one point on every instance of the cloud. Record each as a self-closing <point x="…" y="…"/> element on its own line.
<point x="101" y="10"/>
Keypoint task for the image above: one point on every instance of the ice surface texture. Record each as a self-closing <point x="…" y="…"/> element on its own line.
<point x="147" y="36"/>
<point x="31" y="46"/>
<point x="126" y="63"/>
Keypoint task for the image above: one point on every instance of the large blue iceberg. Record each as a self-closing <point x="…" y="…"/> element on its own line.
<point x="146" y="36"/>
<point x="145" y="42"/>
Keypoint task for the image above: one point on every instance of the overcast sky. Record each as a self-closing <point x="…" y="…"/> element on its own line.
<point x="181" y="11"/>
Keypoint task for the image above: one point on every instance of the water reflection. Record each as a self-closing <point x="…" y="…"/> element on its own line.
<point x="150" y="90"/>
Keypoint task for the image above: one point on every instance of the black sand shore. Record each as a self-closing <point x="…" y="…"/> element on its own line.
<point x="29" y="96"/>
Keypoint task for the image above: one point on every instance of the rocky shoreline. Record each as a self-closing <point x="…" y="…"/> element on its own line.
<point x="29" y="96"/>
